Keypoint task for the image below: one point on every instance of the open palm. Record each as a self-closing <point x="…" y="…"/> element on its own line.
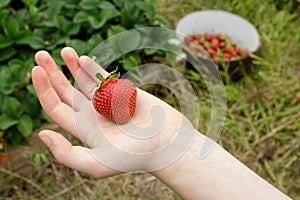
<point x="149" y="130"/>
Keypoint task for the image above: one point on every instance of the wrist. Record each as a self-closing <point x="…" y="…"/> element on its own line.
<point x="190" y="155"/>
<point x="217" y="176"/>
<point x="173" y="143"/>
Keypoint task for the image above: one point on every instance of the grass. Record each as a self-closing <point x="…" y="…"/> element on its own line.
<point x="262" y="127"/>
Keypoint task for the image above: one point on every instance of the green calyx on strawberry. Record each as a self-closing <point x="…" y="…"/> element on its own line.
<point x="115" y="98"/>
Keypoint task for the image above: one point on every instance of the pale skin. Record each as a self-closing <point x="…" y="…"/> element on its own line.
<point x="217" y="176"/>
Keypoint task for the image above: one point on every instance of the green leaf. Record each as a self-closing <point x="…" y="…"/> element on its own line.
<point x="80" y="17"/>
<point x="30" y="3"/>
<point x="57" y="56"/>
<point x="109" y="13"/>
<point x="105" y="5"/>
<point x="120" y="3"/>
<point x="95" y="40"/>
<point x="150" y="51"/>
<point x="37" y="121"/>
<point x="12" y="107"/>
<point x="31" y="90"/>
<point x="162" y="21"/>
<point x="6" y="86"/>
<point x="130" y="15"/>
<point x="75" y="28"/>
<point x="49" y="23"/>
<point x="128" y="41"/>
<point x="146" y="7"/>
<point x="54" y="8"/>
<point x="171" y="57"/>
<point x="36" y="42"/>
<point x="62" y="23"/>
<point x="113" y="30"/>
<point x="10" y="27"/>
<point x="4" y="3"/>
<point x="25" y="125"/>
<point x="96" y="22"/>
<point x="5" y="42"/>
<point x="7" y="53"/>
<point x="3" y="15"/>
<point x="89" y="4"/>
<point x="2" y="97"/>
<point x="23" y="37"/>
<point x="31" y="104"/>
<point x="7" y="121"/>
<point x="60" y="39"/>
<point x="17" y="71"/>
<point x="130" y="61"/>
<point x="14" y="137"/>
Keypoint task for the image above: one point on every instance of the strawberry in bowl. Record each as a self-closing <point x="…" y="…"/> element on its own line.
<point x="228" y="39"/>
<point x="219" y="46"/>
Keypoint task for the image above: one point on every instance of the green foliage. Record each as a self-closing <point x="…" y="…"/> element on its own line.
<point x="30" y="25"/>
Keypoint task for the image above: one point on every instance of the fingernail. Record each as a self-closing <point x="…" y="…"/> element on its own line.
<point x="46" y="140"/>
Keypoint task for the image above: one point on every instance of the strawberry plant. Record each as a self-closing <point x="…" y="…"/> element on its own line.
<point x="27" y="26"/>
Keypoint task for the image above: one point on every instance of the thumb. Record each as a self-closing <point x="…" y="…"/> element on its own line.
<point x="75" y="157"/>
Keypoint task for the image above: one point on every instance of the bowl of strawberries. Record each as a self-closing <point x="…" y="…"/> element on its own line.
<point x="221" y="37"/>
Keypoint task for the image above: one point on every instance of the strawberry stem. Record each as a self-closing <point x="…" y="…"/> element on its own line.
<point x="99" y="76"/>
<point x="113" y="74"/>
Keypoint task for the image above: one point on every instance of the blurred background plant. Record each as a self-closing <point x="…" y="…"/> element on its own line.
<point x="31" y="25"/>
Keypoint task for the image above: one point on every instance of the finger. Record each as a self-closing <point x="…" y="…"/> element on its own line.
<point x="71" y="59"/>
<point x="89" y="66"/>
<point x="83" y="80"/>
<point x="88" y="82"/>
<point x="75" y="157"/>
<point x="44" y="59"/>
<point x="66" y="92"/>
<point x="59" y="112"/>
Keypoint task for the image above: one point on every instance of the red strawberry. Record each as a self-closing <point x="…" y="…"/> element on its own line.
<point x="115" y="98"/>
<point x="220" y="37"/>
<point x="216" y="43"/>
<point x="222" y="44"/>
<point x="239" y="51"/>
<point x="211" y="52"/>
<point x="208" y="37"/>
<point x="228" y="49"/>
<point x="206" y="45"/>
<point x="193" y="37"/>
<point x="227" y="56"/>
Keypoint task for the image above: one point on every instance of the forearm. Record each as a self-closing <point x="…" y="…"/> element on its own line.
<point x="217" y="176"/>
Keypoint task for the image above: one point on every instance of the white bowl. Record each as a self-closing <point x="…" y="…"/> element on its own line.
<point x="241" y="31"/>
